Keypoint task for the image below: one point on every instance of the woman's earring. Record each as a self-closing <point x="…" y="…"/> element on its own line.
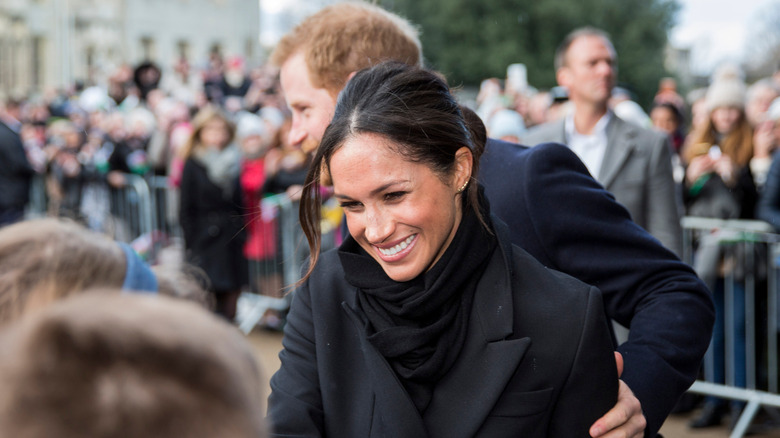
<point x="463" y="187"/>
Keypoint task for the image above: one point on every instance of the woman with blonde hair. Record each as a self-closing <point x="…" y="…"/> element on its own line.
<point x="719" y="184"/>
<point x="210" y="209"/>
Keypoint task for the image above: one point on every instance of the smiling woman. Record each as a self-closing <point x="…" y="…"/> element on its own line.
<point x="399" y="212"/>
<point x="427" y="321"/>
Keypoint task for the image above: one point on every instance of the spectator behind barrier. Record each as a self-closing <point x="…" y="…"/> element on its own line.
<point x="104" y="364"/>
<point x="769" y="201"/>
<point x="211" y="213"/>
<point x="718" y="181"/>
<point x="718" y="184"/>
<point x="45" y="260"/>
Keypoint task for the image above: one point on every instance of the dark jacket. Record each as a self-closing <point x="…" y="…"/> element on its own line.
<point x="558" y="213"/>
<point x="15" y="171"/>
<point x="213" y="228"/>
<point x="537" y="361"/>
<point x="769" y="201"/>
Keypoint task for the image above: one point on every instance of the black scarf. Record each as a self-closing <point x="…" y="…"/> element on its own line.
<point x="420" y="325"/>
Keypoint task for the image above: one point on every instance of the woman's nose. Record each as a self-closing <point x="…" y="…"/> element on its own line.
<point x="378" y="227"/>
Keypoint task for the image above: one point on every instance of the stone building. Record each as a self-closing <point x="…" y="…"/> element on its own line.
<point x="48" y="44"/>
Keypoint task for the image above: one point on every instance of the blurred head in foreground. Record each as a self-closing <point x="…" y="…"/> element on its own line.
<point x="106" y="364"/>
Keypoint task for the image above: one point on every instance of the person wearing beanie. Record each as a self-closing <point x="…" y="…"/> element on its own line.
<point x="727" y="129"/>
<point x="719" y="183"/>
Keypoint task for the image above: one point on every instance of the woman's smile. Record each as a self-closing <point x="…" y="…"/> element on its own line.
<point x="396" y="252"/>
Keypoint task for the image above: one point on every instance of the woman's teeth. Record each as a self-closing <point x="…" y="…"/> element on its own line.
<point x="396" y="249"/>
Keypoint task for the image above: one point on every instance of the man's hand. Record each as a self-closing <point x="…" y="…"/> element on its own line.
<point x="625" y="419"/>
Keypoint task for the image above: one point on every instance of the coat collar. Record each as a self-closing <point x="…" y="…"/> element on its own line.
<point x="620" y="144"/>
<point x="465" y="396"/>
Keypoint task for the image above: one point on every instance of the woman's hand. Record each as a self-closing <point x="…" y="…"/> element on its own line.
<point x="626" y="418"/>
<point x="724" y="167"/>
<point x="698" y="167"/>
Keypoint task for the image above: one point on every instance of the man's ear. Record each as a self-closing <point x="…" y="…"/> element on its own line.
<point x="562" y="76"/>
<point x="351" y="75"/>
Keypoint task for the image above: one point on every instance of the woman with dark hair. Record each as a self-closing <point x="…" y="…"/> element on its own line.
<point x="427" y="321"/>
<point x="667" y="117"/>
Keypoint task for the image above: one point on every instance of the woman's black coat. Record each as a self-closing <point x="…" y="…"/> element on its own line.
<point x="213" y="228"/>
<point x="537" y="361"/>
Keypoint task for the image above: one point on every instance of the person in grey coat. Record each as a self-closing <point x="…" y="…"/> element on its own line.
<point x="631" y="162"/>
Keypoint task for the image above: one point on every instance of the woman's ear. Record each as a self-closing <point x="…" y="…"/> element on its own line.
<point x="464" y="161"/>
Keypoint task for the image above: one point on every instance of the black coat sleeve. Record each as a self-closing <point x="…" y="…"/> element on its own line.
<point x="295" y="404"/>
<point x="557" y="212"/>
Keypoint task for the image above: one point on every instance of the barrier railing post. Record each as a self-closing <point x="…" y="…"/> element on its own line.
<point x="739" y="244"/>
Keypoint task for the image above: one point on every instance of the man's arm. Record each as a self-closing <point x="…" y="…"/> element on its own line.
<point x="557" y="212"/>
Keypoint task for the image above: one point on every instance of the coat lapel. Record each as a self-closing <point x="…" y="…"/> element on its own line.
<point x="465" y="396"/>
<point x="398" y="416"/>
<point x="620" y="144"/>
<point x="559" y="132"/>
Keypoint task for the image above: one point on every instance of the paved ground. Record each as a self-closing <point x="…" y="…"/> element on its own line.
<point x="267" y="345"/>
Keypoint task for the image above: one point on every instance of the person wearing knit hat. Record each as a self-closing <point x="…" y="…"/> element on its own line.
<point x="248" y="124"/>
<point x="727" y="92"/>
<point x="719" y="183"/>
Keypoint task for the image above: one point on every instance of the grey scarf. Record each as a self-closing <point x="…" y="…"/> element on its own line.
<point x="222" y="166"/>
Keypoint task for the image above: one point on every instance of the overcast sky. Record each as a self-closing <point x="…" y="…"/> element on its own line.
<point x="716" y="30"/>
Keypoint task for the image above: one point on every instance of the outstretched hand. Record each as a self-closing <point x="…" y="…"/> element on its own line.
<point x="626" y="418"/>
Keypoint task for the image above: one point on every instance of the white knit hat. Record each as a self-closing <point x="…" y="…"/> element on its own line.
<point x="249" y="124"/>
<point x="728" y="92"/>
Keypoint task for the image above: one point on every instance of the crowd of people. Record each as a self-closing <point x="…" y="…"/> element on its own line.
<point x="438" y="199"/>
<point x="216" y="136"/>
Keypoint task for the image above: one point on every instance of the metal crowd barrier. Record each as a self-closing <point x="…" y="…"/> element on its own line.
<point x="132" y="211"/>
<point x="292" y="253"/>
<point x="742" y="254"/>
<point x="39" y="202"/>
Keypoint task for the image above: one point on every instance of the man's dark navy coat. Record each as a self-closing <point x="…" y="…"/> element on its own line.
<point x="558" y="213"/>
